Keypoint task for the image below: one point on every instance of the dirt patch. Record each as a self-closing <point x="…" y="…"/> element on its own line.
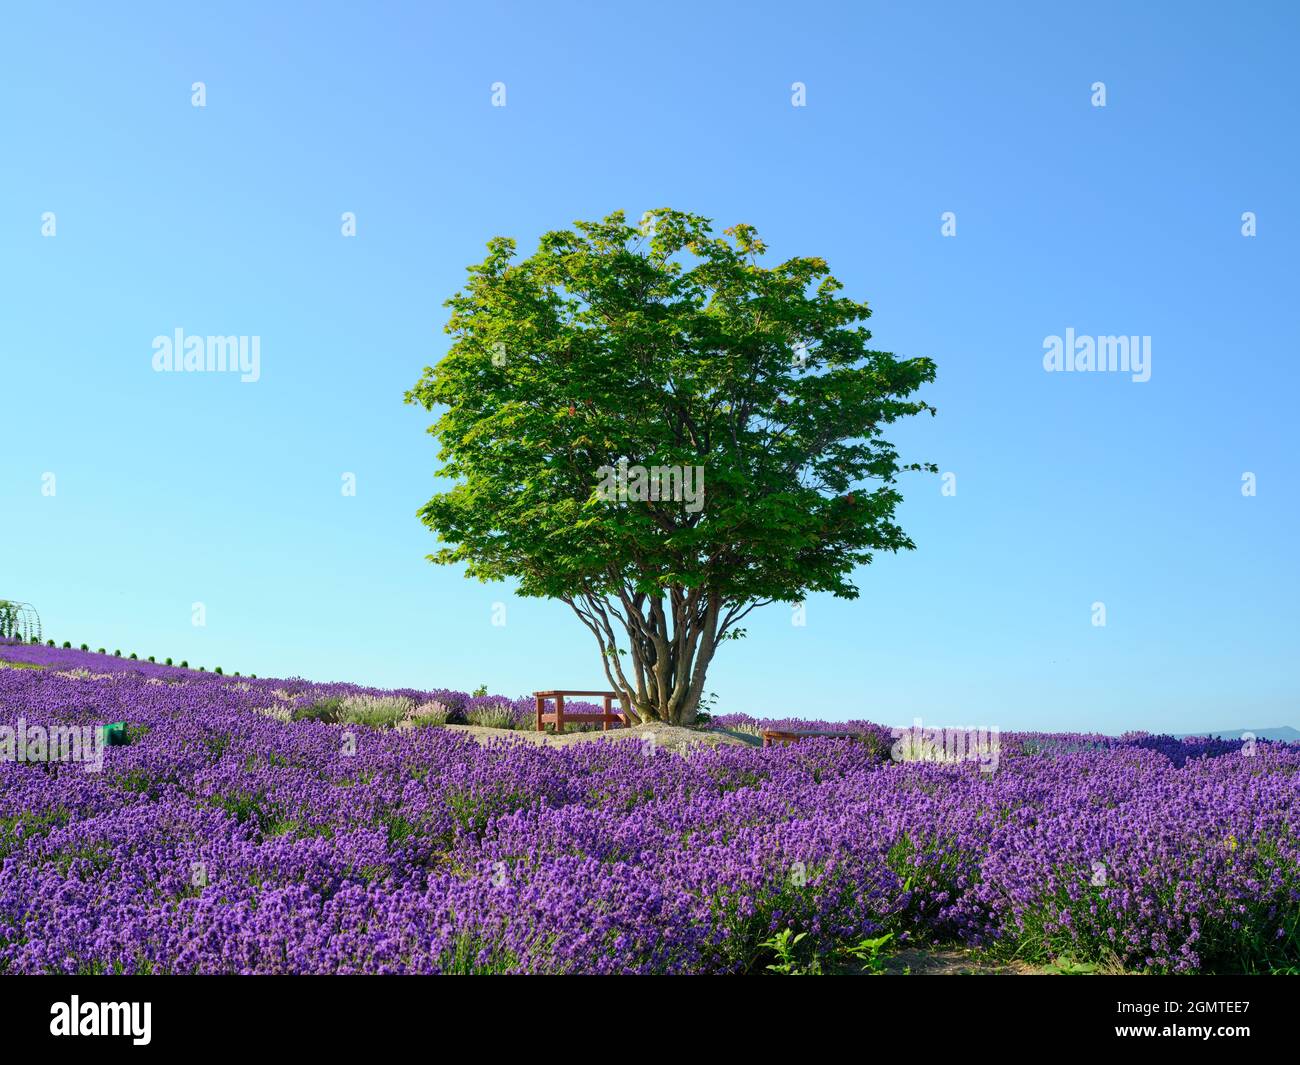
<point x="953" y="963"/>
<point x="958" y="961"/>
<point x="664" y="737"/>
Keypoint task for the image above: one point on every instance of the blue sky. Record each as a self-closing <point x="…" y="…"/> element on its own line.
<point x="1072" y="489"/>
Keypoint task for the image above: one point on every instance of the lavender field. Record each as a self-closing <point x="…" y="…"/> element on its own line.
<point x="234" y="833"/>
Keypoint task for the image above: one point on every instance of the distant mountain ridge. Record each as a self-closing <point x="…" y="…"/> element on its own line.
<point x="1280" y="732"/>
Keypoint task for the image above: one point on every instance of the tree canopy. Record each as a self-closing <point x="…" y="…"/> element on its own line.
<point x="664" y="346"/>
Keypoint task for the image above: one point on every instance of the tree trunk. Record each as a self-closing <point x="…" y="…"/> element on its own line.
<point x="669" y="650"/>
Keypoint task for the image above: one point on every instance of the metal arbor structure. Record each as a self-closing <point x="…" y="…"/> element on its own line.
<point x="19" y="622"/>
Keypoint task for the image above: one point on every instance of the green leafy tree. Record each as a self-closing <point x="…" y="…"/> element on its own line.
<point x="664" y="345"/>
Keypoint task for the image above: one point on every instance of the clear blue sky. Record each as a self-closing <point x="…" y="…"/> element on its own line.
<point x="1071" y="488"/>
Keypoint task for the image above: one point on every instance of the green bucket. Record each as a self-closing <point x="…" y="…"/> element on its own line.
<point x="114" y="734"/>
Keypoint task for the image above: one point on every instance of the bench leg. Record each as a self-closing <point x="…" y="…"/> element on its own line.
<point x="559" y="714"/>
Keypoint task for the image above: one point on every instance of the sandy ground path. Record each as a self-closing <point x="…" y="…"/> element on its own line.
<point x="664" y="737"/>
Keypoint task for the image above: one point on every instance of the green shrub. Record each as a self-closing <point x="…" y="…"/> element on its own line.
<point x="133" y="657"/>
<point x="217" y="670"/>
<point x="84" y="647"/>
<point x="498" y="715"/>
<point x="117" y="654"/>
<point x="185" y="663"/>
<point x="101" y="651"/>
<point x="151" y="658"/>
<point x="326" y="710"/>
<point x="430" y="713"/>
<point x="67" y="646"/>
<point x="377" y="711"/>
<point x="167" y="661"/>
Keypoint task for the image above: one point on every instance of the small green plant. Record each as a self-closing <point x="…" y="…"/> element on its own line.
<point x="49" y="643"/>
<point x="480" y="691"/>
<point x="101" y="651"/>
<point x="1070" y="967"/>
<point x="217" y="670"/>
<point x="117" y="654"/>
<point x="784" y="945"/>
<point x="133" y="657"/>
<point x="167" y="661"/>
<point x="67" y="646"/>
<point x="185" y="663"/>
<point x="868" y="951"/>
<point x="151" y="658"/>
<point x="84" y="647"/>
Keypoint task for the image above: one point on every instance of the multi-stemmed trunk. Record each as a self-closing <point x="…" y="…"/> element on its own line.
<point x="671" y="639"/>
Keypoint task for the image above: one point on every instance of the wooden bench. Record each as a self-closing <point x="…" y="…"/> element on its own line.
<point x="780" y="737"/>
<point x="559" y="717"/>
